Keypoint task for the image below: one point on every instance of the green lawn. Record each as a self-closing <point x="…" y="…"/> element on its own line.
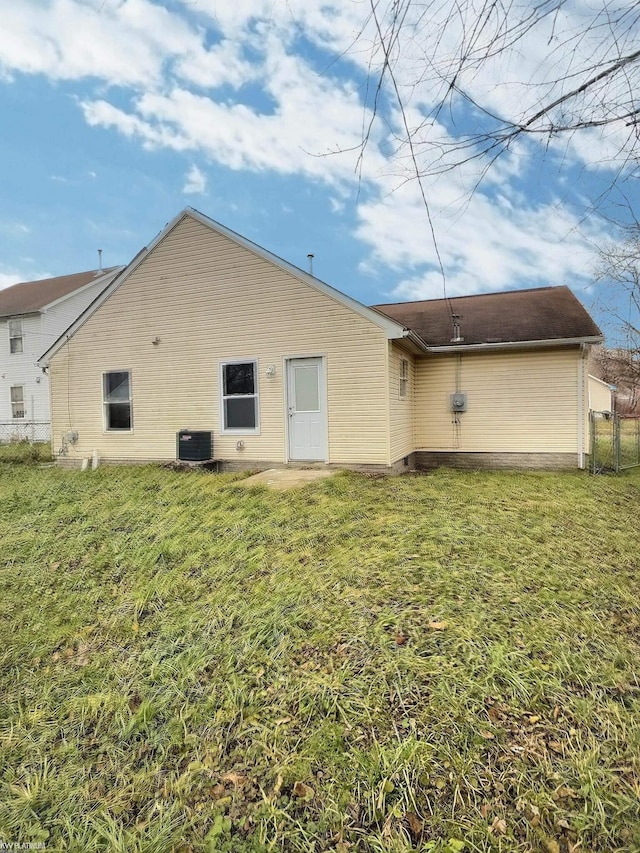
<point x="444" y="662"/>
<point x="604" y="444"/>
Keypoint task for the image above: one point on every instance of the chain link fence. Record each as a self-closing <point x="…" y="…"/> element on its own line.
<point x="615" y="442"/>
<point x="33" y="431"/>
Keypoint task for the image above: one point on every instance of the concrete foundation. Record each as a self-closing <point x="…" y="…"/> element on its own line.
<point x="236" y="465"/>
<point x="422" y="460"/>
<point x="427" y="460"/>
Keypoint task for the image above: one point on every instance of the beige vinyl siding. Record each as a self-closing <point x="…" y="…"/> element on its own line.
<point x="517" y="402"/>
<point x="400" y="410"/>
<point x="210" y="300"/>
<point x="599" y="395"/>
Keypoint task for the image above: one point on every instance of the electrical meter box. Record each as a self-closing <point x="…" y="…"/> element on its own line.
<point x="459" y="401"/>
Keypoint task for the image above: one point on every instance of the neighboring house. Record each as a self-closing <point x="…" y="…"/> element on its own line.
<point x="620" y="368"/>
<point x="33" y="315"/>
<point x="600" y="395"/>
<point x="205" y="330"/>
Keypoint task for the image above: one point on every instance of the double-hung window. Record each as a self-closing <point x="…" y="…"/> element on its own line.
<point x="404" y="378"/>
<point x="116" y="398"/>
<point x="17" y="401"/>
<point x="15" y="335"/>
<point x="239" y="384"/>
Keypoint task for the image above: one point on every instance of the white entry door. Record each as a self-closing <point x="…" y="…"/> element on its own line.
<point x="307" y="410"/>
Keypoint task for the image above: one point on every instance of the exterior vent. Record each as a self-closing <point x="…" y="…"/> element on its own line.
<point x="194" y="446"/>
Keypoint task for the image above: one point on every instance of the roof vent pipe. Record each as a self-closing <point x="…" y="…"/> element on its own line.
<point x="310" y="256"/>
<point x="457" y="336"/>
<point x="100" y="259"/>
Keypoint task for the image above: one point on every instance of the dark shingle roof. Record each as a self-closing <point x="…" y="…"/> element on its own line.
<point x="541" y="314"/>
<point x="30" y="296"/>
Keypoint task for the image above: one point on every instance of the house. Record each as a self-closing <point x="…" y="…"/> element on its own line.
<point x="600" y="395"/>
<point x="619" y="369"/>
<point x="206" y="331"/>
<point x="33" y="314"/>
<point x="519" y="358"/>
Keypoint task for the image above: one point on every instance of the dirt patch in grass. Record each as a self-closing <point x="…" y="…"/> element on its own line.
<point x="440" y="663"/>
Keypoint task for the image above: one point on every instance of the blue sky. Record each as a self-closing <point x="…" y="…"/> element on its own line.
<point x="119" y="113"/>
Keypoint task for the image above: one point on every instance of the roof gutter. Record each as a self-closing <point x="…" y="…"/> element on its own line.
<point x="410" y="336"/>
<point x="29" y="312"/>
<point x="556" y="342"/>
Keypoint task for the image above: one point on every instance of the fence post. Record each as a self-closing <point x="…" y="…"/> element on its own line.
<point x="616" y="443"/>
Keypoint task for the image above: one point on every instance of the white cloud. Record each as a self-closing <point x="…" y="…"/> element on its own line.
<point x="312" y="120"/>
<point x="14" y="229"/>
<point x="490" y="245"/>
<point x="221" y="65"/>
<point x="9" y="277"/>
<point x="195" y="181"/>
<point x="289" y="113"/>
<point x="122" y="43"/>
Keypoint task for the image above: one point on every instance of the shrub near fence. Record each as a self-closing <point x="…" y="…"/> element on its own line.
<point x="25" y="453"/>
<point x="615" y="442"/>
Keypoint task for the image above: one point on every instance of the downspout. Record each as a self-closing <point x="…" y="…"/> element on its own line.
<point x="581" y="403"/>
<point x="387" y="363"/>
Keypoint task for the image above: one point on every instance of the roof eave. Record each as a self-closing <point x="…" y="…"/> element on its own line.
<point x="393" y="329"/>
<point x="417" y="344"/>
<point x="29" y="312"/>
<point x="105" y="279"/>
<point x="541" y="344"/>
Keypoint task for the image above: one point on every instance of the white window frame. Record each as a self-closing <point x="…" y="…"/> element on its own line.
<point x="22" y="402"/>
<point x="403" y="378"/>
<point x="16" y="322"/>
<point x="105" y="427"/>
<point x="224" y="430"/>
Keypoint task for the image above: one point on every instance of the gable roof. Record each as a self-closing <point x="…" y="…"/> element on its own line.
<point x="393" y="329"/>
<point x="493" y="320"/>
<point x="29" y="297"/>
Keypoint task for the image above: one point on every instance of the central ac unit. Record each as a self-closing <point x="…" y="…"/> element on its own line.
<point x="194" y="446"/>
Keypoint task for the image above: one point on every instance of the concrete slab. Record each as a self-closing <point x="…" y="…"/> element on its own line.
<point x="286" y="478"/>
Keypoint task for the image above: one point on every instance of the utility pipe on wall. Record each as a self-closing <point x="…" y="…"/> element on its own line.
<point x="581" y="404"/>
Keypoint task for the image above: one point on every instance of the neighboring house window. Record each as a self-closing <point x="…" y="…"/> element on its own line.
<point x="239" y="396"/>
<point x="17" y="401"/>
<point x="404" y="377"/>
<point x="116" y="390"/>
<point x="15" y="335"/>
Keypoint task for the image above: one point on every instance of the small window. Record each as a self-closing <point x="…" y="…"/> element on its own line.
<point x="15" y="335"/>
<point x="239" y="396"/>
<point x="404" y="377"/>
<point x="17" y="401"/>
<point x="116" y="390"/>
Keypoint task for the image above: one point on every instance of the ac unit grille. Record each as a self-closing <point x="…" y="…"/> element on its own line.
<point x="194" y="446"/>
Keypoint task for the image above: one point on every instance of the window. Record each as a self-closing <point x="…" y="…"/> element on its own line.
<point x="15" y="335"/>
<point x="239" y="396"/>
<point x="404" y="377"/>
<point x="116" y="395"/>
<point x="17" y="401"/>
